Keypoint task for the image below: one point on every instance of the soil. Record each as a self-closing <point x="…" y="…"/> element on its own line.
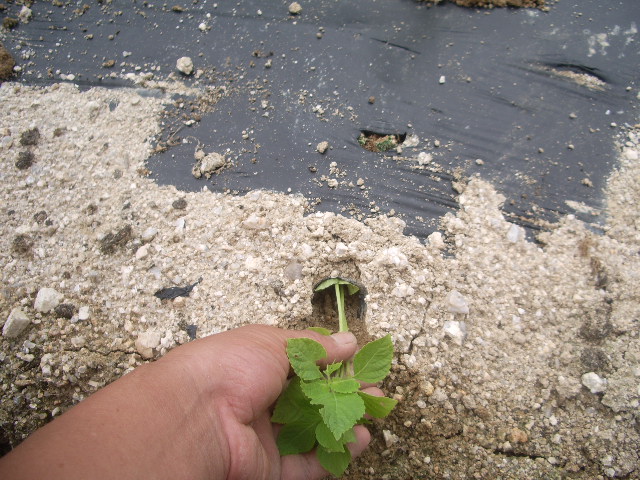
<point x="6" y="64"/>
<point x="497" y="392"/>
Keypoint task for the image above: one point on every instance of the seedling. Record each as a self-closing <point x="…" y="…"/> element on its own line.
<point x="320" y="407"/>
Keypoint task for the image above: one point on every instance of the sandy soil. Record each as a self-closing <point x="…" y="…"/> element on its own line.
<point x="540" y="379"/>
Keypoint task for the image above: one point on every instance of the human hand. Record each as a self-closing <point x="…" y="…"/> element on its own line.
<point x="202" y="411"/>
<point x="252" y="368"/>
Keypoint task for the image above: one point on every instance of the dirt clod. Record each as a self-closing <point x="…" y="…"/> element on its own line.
<point x="30" y="137"/>
<point x="25" y="160"/>
<point x="113" y="241"/>
<point x="6" y="64"/>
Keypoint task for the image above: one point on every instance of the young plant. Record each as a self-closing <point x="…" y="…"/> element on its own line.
<point x="320" y="407"/>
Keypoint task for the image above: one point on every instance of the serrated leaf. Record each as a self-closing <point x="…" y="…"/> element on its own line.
<point x="377" y="407"/>
<point x="334" y="462"/>
<point x="332" y="367"/>
<point x="327" y="440"/>
<point x="297" y="437"/>
<point x="340" y="411"/>
<point x="344" y="385"/>
<point x="303" y="354"/>
<point x="373" y="362"/>
<point x="321" y="330"/>
<point x="293" y="405"/>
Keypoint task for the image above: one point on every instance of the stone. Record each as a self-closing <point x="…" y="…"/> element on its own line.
<point x="47" y="299"/>
<point x="146" y="342"/>
<point x="293" y="271"/>
<point x="185" y="65"/>
<point x="149" y="234"/>
<point x="255" y="223"/>
<point x="389" y="438"/>
<point x="403" y="290"/>
<point x="208" y="164"/>
<point x="457" y="303"/>
<point x="84" y="313"/>
<point x="457" y="331"/>
<point x="295" y="8"/>
<point x="16" y="323"/>
<point x="515" y="234"/>
<point x="322" y="147"/>
<point x="594" y="382"/>
<point x="424" y="158"/>
<point x="25" y="14"/>
<point x="436" y="241"/>
<point x="142" y="252"/>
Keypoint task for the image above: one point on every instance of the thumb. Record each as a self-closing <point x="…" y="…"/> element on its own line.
<point x="339" y="346"/>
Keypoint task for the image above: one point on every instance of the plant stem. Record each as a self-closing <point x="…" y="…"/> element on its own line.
<point x="342" y="318"/>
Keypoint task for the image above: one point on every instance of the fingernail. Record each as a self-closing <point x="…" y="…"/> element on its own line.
<point x="344" y="338"/>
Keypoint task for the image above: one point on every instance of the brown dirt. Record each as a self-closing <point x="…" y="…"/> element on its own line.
<point x="6" y="63"/>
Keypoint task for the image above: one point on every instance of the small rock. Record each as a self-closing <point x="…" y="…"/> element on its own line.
<point x="208" y="164"/>
<point x="142" y="252"/>
<point x="341" y="249"/>
<point x="253" y="222"/>
<point x="65" y="310"/>
<point x="47" y="299"/>
<point x="372" y="100"/>
<point x="515" y="234"/>
<point x="295" y="8"/>
<point x="293" y="271"/>
<point x="403" y="291"/>
<point x="148" y="235"/>
<point x="146" y="342"/>
<point x="436" y="241"/>
<point x="25" y="14"/>
<point x="84" y="313"/>
<point x="16" y="322"/>
<point x="457" y="303"/>
<point x="455" y="330"/>
<point x="78" y="342"/>
<point x="424" y="158"/>
<point x="389" y="438"/>
<point x="442" y="79"/>
<point x="185" y="65"/>
<point x="594" y="382"/>
<point x="322" y="147"/>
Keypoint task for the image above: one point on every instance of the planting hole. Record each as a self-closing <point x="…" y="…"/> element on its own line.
<point x="380" y="142"/>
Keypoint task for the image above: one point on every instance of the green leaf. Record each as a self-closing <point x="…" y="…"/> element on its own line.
<point x="332" y="367"/>
<point x="373" y="362"/>
<point x="327" y="440"/>
<point x="293" y="405"/>
<point x="344" y="385"/>
<point x="334" y="462"/>
<point x="303" y="354"/>
<point x="340" y="411"/>
<point x="297" y="437"/>
<point x="377" y="407"/>
<point x="321" y="330"/>
<point x="329" y="282"/>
